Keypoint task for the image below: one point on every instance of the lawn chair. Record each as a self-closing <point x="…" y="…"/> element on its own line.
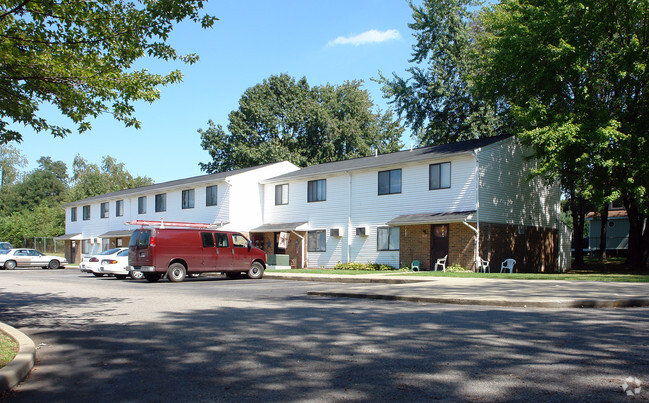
<point x="441" y="262"/>
<point x="483" y="265"/>
<point x="508" y="264"/>
<point x="415" y="265"/>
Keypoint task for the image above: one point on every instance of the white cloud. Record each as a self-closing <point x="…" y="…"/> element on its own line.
<point x="371" y="36"/>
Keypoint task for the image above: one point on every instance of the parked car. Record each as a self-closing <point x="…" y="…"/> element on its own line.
<point x="90" y="264"/>
<point x="5" y="246"/>
<point x="117" y="266"/>
<point x="177" y="253"/>
<point x="21" y="257"/>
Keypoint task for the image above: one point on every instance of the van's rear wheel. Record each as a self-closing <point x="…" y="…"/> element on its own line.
<point x="152" y="277"/>
<point x="256" y="270"/>
<point x="176" y="273"/>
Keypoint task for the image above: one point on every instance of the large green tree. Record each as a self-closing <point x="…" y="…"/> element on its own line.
<point x="46" y="185"/>
<point x="284" y="119"/>
<point x="79" y="56"/>
<point x="10" y="160"/>
<point x="574" y="75"/>
<point x="437" y="100"/>
<point x="91" y="179"/>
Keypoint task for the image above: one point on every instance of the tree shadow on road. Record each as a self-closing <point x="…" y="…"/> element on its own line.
<point x="321" y="349"/>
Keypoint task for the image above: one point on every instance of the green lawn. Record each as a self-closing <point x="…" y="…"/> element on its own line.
<point x="515" y="276"/>
<point x="8" y="349"/>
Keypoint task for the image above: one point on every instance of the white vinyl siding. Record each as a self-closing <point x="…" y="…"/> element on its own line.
<point x="506" y="194"/>
<point x="357" y="204"/>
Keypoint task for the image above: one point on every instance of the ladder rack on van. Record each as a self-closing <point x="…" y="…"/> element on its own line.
<point x="176" y="224"/>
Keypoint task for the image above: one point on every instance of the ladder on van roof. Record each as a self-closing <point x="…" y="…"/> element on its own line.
<point x="176" y="224"/>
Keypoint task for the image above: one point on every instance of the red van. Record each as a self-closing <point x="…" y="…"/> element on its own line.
<point x="176" y="253"/>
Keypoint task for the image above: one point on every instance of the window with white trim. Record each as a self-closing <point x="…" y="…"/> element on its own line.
<point x="317" y="241"/>
<point x="387" y="238"/>
<point x="439" y="176"/>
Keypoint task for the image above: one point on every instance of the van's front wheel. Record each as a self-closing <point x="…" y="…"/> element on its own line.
<point x="176" y="273"/>
<point x="256" y="270"/>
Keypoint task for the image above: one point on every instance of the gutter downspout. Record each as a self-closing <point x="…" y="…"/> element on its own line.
<point x="477" y="207"/>
<point x="302" y="242"/>
<point x="349" y="217"/>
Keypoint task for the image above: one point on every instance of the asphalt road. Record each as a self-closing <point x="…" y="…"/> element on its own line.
<point x="211" y="339"/>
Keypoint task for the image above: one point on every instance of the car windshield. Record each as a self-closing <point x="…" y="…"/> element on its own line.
<point x="110" y="251"/>
<point x="123" y="253"/>
<point x="4" y="251"/>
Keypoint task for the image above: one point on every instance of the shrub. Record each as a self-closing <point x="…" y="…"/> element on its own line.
<point x="363" y="266"/>
<point x="456" y="267"/>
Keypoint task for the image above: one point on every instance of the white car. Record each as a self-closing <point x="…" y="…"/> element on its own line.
<point x="117" y="266"/>
<point x="22" y="257"/>
<point x="90" y="264"/>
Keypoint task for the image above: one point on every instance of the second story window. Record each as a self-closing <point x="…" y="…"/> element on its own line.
<point x="103" y="210"/>
<point x="141" y="205"/>
<point x="73" y="214"/>
<point x="317" y="190"/>
<point x="86" y="213"/>
<point x="390" y="182"/>
<point x="119" y="208"/>
<point x="188" y="199"/>
<point x="281" y="194"/>
<point x="211" y="194"/>
<point x="439" y="176"/>
<point x="160" y="202"/>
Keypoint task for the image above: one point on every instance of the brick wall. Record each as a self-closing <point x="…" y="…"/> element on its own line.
<point x="414" y="244"/>
<point x="461" y="245"/>
<point x="534" y="249"/>
<point x="293" y="250"/>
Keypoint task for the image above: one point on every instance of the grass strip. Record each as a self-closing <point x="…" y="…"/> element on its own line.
<point x="8" y="349"/>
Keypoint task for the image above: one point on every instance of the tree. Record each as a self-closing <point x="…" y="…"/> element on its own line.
<point x="575" y="77"/>
<point x="91" y="180"/>
<point x="437" y="100"/>
<point x="46" y="186"/>
<point x="283" y="119"/>
<point x="79" y="56"/>
<point x="10" y="159"/>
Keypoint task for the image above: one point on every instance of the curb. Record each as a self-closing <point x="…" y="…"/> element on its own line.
<point x="347" y="279"/>
<point x="586" y="303"/>
<point x="23" y="362"/>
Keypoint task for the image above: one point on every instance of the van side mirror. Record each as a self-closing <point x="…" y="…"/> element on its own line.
<point x="249" y="245"/>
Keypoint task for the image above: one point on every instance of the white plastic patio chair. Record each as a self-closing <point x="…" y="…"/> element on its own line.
<point x="441" y="262"/>
<point x="508" y="264"/>
<point x="483" y="265"/>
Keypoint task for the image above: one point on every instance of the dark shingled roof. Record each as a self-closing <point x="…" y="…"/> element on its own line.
<point x="399" y="157"/>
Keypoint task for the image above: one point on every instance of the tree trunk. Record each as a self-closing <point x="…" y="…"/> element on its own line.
<point x="602" y="232"/>
<point x="638" y="240"/>
<point x="578" y="218"/>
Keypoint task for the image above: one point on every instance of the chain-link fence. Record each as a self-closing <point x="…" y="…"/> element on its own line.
<point x="44" y="244"/>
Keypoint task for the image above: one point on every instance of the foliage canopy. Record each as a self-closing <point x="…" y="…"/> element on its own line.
<point x="79" y="56"/>
<point x="284" y="119"/>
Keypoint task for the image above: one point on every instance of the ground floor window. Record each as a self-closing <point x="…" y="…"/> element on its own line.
<point x="387" y="238"/>
<point x="317" y="241"/>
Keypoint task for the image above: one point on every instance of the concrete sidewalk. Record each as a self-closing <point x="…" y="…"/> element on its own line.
<point x="480" y="291"/>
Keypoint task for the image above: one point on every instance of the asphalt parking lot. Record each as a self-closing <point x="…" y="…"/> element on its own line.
<point x="212" y="339"/>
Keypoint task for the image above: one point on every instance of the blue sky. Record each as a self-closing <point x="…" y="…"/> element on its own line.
<point x="326" y="41"/>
